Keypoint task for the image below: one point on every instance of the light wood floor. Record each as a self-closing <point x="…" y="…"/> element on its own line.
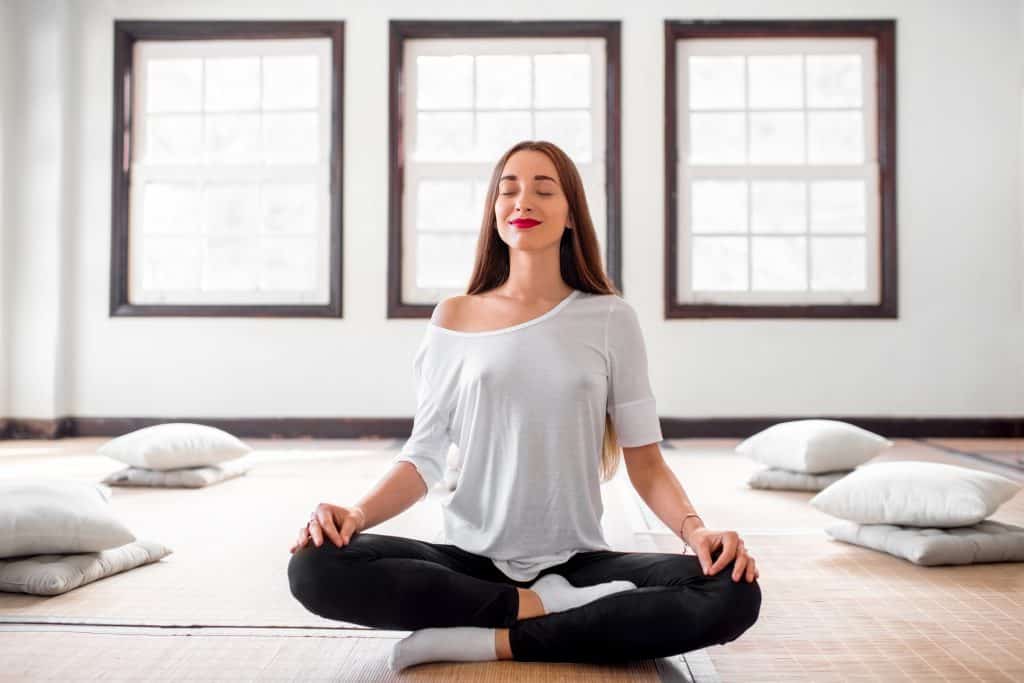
<point x="219" y="607"/>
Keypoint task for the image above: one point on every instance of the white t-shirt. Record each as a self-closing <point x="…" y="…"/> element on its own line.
<point x="525" y="405"/>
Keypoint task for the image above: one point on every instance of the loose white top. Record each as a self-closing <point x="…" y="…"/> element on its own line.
<point x="525" y="405"/>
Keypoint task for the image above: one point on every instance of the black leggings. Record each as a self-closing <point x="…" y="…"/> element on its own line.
<point x="392" y="582"/>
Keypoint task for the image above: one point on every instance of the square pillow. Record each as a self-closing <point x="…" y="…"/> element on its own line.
<point x="987" y="541"/>
<point x="175" y="445"/>
<point x="57" y="516"/>
<point x="191" y="477"/>
<point x="56" y="574"/>
<point x="914" y="493"/>
<point x="784" y="480"/>
<point x="813" y="446"/>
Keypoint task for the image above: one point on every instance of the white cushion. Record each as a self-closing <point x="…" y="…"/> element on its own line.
<point x="813" y="446"/>
<point x="57" y="516"/>
<point x="192" y="477"/>
<point x="55" y="574"/>
<point x="988" y="541"/>
<point x="174" y="445"/>
<point x="913" y="493"/>
<point x="780" y="479"/>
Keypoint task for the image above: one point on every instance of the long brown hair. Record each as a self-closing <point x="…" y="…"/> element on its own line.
<point x="579" y="256"/>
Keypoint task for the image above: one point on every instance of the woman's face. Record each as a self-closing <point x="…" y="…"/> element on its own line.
<point x="531" y="209"/>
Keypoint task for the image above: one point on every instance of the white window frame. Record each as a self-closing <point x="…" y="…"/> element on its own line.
<point x="592" y="172"/>
<point x="867" y="171"/>
<point x="317" y="173"/>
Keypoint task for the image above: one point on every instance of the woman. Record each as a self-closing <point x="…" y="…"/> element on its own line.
<point x="539" y="375"/>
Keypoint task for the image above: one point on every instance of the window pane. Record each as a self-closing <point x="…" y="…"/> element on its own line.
<point x="780" y="263"/>
<point x="446" y="205"/>
<point x="719" y="263"/>
<point x="776" y="82"/>
<point x="570" y="130"/>
<point x="233" y="138"/>
<point x="777" y="138"/>
<point x="174" y="139"/>
<point x="287" y="263"/>
<point x="497" y="131"/>
<point x="291" y="138"/>
<point x="834" y="81"/>
<point x="232" y="83"/>
<point x="170" y="208"/>
<point x="835" y="137"/>
<point x="289" y="208"/>
<point x="838" y="263"/>
<point x="444" y="82"/>
<point x="778" y="206"/>
<point x="503" y="81"/>
<point x="837" y="206"/>
<point x="232" y="263"/>
<point x="444" y="137"/>
<point x="232" y="208"/>
<point x="719" y="206"/>
<point x="561" y="80"/>
<point x="716" y="83"/>
<point x="171" y="263"/>
<point x="717" y="139"/>
<point x="174" y="85"/>
<point x="291" y="82"/>
<point x="444" y="260"/>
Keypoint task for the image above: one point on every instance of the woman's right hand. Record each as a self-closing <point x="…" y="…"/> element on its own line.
<point x="338" y="523"/>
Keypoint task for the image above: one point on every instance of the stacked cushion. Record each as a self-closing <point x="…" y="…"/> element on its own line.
<point x="61" y="534"/>
<point x="809" y="455"/>
<point x="925" y="512"/>
<point x="176" y="454"/>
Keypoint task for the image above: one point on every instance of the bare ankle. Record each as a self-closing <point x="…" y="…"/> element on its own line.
<point x="530" y="604"/>
<point x="502" y="645"/>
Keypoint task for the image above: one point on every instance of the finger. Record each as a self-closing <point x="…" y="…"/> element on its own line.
<point x="739" y="566"/>
<point x="348" y="527"/>
<point x="729" y="542"/>
<point x="751" y="571"/>
<point x="704" y="555"/>
<point x="329" y="530"/>
<point x="316" y="533"/>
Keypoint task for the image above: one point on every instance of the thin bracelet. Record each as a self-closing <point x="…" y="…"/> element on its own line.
<point x="681" y="524"/>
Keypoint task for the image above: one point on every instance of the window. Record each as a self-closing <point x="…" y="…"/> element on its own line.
<point x="781" y="169"/>
<point x="461" y="94"/>
<point x="227" y="169"/>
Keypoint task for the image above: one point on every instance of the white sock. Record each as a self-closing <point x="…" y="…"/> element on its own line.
<point x="558" y="594"/>
<point x="452" y="644"/>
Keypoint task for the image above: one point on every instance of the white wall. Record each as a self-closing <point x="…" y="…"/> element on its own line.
<point x="6" y="36"/>
<point x="38" y="198"/>
<point x="954" y="351"/>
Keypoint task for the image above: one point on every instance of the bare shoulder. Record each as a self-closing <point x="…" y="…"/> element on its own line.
<point x="450" y="311"/>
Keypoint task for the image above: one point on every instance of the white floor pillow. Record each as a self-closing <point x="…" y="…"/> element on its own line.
<point x="988" y="541"/>
<point x="39" y="515"/>
<point x="175" y="445"/>
<point x="813" y="446"/>
<point x="916" y="493"/>
<point x="775" y="478"/>
<point x="192" y="477"/>
<point x="56" y="574"/>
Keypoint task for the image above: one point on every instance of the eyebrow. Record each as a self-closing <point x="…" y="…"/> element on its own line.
<point x="536" y="177"/>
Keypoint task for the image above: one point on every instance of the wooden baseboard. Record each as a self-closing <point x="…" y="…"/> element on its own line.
<point x="392" y="428"/>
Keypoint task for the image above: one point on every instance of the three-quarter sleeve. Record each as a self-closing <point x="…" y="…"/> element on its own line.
<point x="427" y="447"/>
<point x="631" y="402"/>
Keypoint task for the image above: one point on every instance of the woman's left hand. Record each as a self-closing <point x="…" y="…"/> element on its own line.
<point x="705" y="541"/>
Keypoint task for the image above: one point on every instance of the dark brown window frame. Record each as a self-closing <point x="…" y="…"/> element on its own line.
<point x="126" y="34"/>
<point x="883" y="31"/>
<point x="400" y="31"/>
